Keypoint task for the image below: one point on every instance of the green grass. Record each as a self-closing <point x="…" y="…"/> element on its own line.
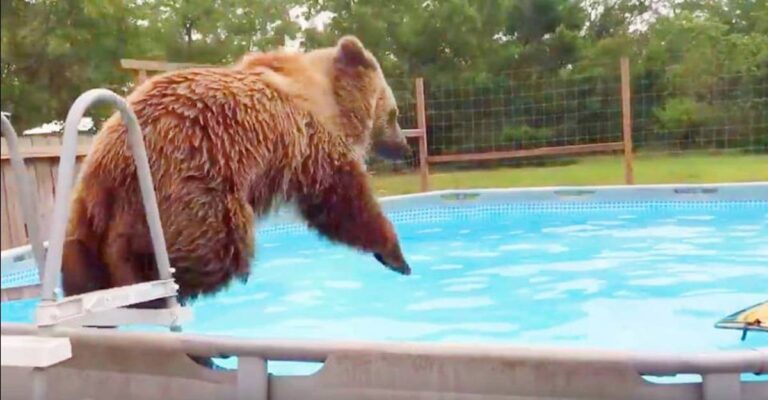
<point x="603" y="170"/>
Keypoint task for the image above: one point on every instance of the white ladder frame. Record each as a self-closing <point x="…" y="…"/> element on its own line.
<point x="27" y="196"/>
<point x="100" y="307"/>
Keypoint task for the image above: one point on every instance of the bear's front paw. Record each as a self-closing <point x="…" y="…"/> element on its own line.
<point x="400" y="267"/>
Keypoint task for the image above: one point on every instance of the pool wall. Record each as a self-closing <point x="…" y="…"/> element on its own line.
<point x="133" y="365"/>
<point x="422" y="207"/>
<point x="122" y="365"/>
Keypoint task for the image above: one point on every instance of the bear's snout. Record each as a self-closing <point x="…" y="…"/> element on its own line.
<point x="393" y="149"/>
<point x="392" y="144"/>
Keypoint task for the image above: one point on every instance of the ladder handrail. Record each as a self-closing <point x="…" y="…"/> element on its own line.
<point x="65" y="182"/>
<point x="27" y="196"/>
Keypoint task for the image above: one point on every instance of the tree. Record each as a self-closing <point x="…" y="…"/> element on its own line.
<point x="54" y="50"/>
<point x="689" y="57"/>
<point x="217" y="31"/>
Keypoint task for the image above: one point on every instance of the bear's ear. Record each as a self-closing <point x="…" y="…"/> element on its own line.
<point x="351" y="54"/>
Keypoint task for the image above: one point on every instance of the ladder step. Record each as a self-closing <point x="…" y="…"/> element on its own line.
<point x="168" y="317"/>
<point x="75" y="307"/>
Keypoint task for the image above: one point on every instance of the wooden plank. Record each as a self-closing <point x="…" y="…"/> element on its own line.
<point x="5" y="228"/>
<point x="141" y="76"/>
<point x="543" y="151"/>
<point x="78" y="165"/>
<point x="31" y="177"/>
<point x="53" y="141"/>
<point x="42" y="167"/>
<point x="24" y="142"/>
<point x="626" y="113"/>
<point x="46" y="151"/>
<point x="159" y="66"/>
<point x="412" y="133"/>
<point x="421" y="122"/>
<point x="18" y="232"/>
<point x="55" y="164"/>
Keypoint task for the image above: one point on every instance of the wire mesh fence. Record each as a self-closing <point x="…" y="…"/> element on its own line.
<point x="498" y="121"/>
<point x="687" y="113"/>
<point x="506" y="114"/>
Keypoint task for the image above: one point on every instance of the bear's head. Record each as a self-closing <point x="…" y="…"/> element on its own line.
<point x="344" y="87"/>
<point x="362" y="91"/>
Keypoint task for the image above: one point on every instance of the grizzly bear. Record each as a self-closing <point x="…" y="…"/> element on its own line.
<point x="225" y="146"/>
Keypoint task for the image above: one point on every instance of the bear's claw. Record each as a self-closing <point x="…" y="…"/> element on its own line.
<point x="403" y="269"/>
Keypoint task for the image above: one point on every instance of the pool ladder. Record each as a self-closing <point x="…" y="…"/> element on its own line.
<point x="101" y="307"/>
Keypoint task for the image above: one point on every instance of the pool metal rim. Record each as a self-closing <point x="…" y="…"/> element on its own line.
<point x="556" y="196"/>
<point x="753" y="360"/>
<point x="659" y="188"/>
<point x="620" y="187"/>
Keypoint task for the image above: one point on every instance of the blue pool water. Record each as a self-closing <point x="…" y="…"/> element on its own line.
<point x="635" y="277"/>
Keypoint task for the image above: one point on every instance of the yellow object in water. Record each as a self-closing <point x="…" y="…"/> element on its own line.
<point x="754" y="318"/>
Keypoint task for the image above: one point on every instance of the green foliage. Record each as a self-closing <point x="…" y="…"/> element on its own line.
<point x="524" y="136"/>
<point x="53" y="50"/>
<point x="684" y="117"/>
<point x="501" y="74"/>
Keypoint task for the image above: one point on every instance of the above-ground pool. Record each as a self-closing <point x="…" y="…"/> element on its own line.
<point x="637" y="270"/>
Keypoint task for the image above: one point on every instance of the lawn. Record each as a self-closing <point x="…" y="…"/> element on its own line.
<point x="603" y="170"/>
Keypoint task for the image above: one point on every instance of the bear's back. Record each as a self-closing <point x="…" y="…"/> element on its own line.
<point x="213" y="120"/>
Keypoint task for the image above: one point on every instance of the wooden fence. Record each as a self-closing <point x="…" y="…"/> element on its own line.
<point x="41" y="155"/>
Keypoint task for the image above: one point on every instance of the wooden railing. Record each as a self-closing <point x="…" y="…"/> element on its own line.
<point x="142" y="68"/>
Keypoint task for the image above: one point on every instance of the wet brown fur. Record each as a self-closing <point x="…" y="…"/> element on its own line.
<point x="225" y="145"/>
